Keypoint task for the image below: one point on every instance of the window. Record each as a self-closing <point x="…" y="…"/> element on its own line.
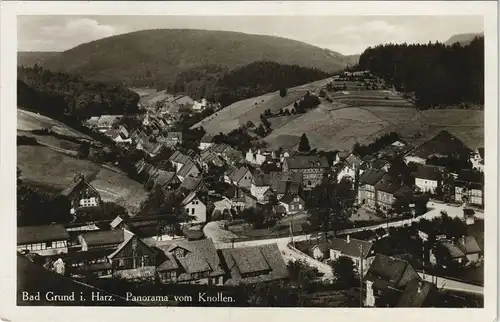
<point x="187" y="210"/>
<point x="192" y="211"/>
<point x="300" y="207"/>
<point x="48" y="245"/>
<point x="170" y="275"/>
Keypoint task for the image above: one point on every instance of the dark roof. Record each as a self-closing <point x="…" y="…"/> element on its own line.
<point x="34" y="234"/>
<point x="79" y="179"/>
<point x="481" y="152"/>
<point x="283" y="177"/>
<point x="353" y="161"/>
<point x="285" y="187"/>
<point x="207" y="138"/>
<point x="387" y="185"/>
<point x="202" y="256"/>
<point x="453" y="249"/>
<point x="106" y="237"/>
<point x="238" y="174"/>
<point x="371" y="177"/>
<point x="337" y="244"/>
<point x="417" y="294"/>
<point x="163" y="177"/>
<point x="254" y="259"/>
<point x="33" y="278"/>
<point x="379" y="164"/>
<point x="386" y="271"/>
<point x="191" y="183"/>
<point x="306" y="162"/>
<point x="289" y="197"/>
<point x="428" y="172"/>
<point x="261" y="179"/>
<point x="467" y="175"/>
<point x="442" y="144"/>
<point x="354" y="246"/>
<point x="178" y="157"/>
<point x="87" y="255"/>
<point x="469" y="245"/>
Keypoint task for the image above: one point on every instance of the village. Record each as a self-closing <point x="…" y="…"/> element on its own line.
<point x="402" y="219"/>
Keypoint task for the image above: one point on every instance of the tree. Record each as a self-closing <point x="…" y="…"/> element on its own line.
<point x="301" y="274"/>
<point x="283" y="92"/>
<point x="304" y="144"/>
<point x="84" y="150"/>
<point x="344" y="272"/>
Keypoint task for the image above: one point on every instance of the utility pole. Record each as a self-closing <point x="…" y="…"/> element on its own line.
<point x="291" y="232"/>
<point x="361" y="276"/>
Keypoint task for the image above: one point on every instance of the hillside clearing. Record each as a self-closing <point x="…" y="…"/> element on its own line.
<point x="45" y="167"/>
<point x="28" y="121"/>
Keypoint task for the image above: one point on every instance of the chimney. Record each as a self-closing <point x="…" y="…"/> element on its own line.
<point x="370" y="297"/>
<point x="348" y="239"/>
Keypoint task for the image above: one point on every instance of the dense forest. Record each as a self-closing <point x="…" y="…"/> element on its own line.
<point x="54" y="94"/>
<point x="251" y="80"/>
<point x="437" y="74"/>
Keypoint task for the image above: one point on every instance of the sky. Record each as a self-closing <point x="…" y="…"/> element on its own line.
<point x="344" y="34"/>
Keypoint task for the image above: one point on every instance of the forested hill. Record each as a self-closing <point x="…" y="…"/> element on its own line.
<point x="462" y="39"/>
<point x="437" y="74"/>
<point x="149" y="57"/>
<point x="251" y="80"/>
<point x="54" y="94"/>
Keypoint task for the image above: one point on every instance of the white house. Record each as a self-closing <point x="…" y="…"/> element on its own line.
<point x="43" y="240"/>
<point x="350" y="169"/>
<point x="359" y="251"/>
<point x="428" y="178"/>
<point x="193" y="206"/>
<point x="199" y="106"/>
<point x="477" y="159"/>
<point x="258" y="157"/>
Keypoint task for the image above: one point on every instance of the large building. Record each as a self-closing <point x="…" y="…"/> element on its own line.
<point x="43" y="240"/>
<point x="82" y="196"/>
<point x="312" y="167"/>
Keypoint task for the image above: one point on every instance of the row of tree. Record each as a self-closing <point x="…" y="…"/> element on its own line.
<point x="59" y="93"/>
<point x="436" y="73"/>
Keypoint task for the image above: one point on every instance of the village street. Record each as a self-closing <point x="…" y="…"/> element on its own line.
<point x="219" y="236"/>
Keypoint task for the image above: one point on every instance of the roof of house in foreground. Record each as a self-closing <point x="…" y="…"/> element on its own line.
<point x="34" y="234"/>
<point x="254" y="259"/>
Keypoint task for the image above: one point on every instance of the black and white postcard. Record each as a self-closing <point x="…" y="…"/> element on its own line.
<point x="217" y="160"/>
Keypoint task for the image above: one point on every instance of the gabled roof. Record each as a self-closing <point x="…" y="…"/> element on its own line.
<point x="417" y="294"/>
<point x="481" y="152"/>
<point x="379" y="164"/>
<point x="192" y="195"/>
<point x="354" y="247"/>
<point x="428" y="172"/>
<point x="191" y="183"/>
<point x="238" y="174"/>
<point x="468" y="175"/>
<point x="79" y="179"/>
<point x="353" y="161"/>
<point x="263" y="258"/>
<point x="371" y="177"/>
<point x="285" y="187"/>
<point x="261" y="180"/>
<point x="469" y="245"/>
<point x="387" y="271"/>
<point x="163" y="178"/>
<point x="106" y="237"/>
<point x="186" y="168"/>
<point x="306" y="162"/>
<point x="288" y="198"/>
<point x="387" y="185"/>
<point x="128" y="237"/>
<point x="442" y="144"/>
<point x="178" y="157"/>
<point x="38" y="234"/>
<point x="174" y="136"/>
<point x="202" y="256"/>
<point x="453" y="249"/>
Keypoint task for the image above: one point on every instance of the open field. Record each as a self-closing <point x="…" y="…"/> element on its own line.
<point x="28" y="121"/>
<point x="43" y="166"/>
<point x="239" y="113"/>
<point x="52" y="142"/>
<point x="341" y="128"/>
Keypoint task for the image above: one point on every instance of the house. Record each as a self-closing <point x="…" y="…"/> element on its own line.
<point x="428" y="178"/>
<point x="312" y="168"/>
<point x="117" y="136"/>
<point x="229" y="154"/>
<point x="469" y="187"/>
<point x="143" y="226"/>
<point x="240" y="177"/>
<point x="465" y="250"/>
<point x="385" y="190"/>
<point x="192" y="183"/>
<point x="469" y="217"/>
<point x="178" y="160"/>
<point x="386" y="276"/>
<point x="260" y="185"/>
<point x="166" y="180"/>
<point x="477" y="159"/>
<point x="106" y="122"/>
<point x="173" y="138"/>
<point x="209" y="157"/>
<point x="442" y="145"/>
<point x="418" y="293"/>
<point x="359" y="251"/>
<point x="283" y="183"/>
<point x="200" y="106"/>
<point x="43" y="240"/>
<point x="255" y="264"/>
<point x="350" y="169"/>
<point x="292" y="203"/>
<point x="366" y="192"/>
<point x="190" y="262"/>
<point x="258" y="157"/>
<point x="193" y="206"/>
<point x="380" y="164"/>
<point x="188" y="169"/>
<point x="206" y="141"/>
<point x="101" y="239"/>
<point x="82" y="196"/>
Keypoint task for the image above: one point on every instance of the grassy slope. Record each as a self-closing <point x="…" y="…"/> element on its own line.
<point x="43" y="166"/>
<point x="27" y="121"/>
<point x="169" y="51"/>
<point x="237" y="114"/>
